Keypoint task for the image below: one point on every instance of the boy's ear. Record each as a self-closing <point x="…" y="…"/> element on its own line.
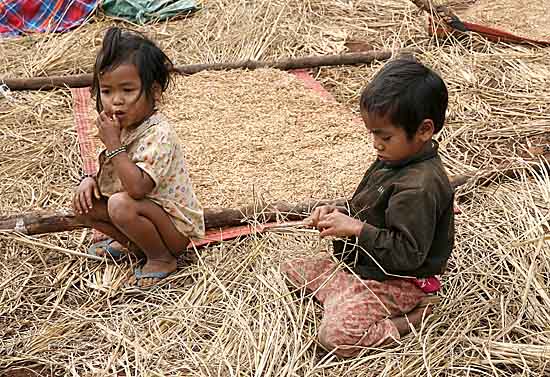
<point x="426" y="130"/>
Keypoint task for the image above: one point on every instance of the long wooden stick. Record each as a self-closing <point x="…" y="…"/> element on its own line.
<point x="215" y="218"/>
<point x="84" y="80"/>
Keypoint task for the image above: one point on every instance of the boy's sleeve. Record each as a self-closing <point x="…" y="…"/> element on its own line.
<point x="153" y="155"/>
<point x="404" y="244"/>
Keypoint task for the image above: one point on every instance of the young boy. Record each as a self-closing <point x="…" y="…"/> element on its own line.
<point x="399" y="232"/>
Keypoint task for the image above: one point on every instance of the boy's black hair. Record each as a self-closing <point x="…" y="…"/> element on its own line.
<point x="126" y="46"/>
<point x="408" y="92"/>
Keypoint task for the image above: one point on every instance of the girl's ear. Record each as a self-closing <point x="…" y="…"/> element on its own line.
<point x="157" y="92"/>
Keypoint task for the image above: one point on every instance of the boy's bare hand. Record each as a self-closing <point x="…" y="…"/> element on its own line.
<point x="318" y="214"/>
<point x="83" y="200"/>
<point x="337" y="224"/>
<point x="108" y="131"/>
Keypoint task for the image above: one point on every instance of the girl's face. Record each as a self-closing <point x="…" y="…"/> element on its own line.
<point x="121" y="96"/>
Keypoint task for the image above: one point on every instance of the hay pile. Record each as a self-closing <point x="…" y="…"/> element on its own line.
<point x="522" y="17"/>
<point x="228" y="30"/>
<point x="231" y="313"/>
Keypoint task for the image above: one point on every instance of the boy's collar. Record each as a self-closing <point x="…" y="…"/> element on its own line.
<point x="428" y="151"/>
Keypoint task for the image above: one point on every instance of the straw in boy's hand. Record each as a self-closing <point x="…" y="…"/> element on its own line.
<point x="331" y="221"/>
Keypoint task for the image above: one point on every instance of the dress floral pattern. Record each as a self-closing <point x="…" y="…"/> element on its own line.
<point x="155" y="148"/>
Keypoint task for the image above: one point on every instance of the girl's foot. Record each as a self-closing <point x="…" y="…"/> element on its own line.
<point x="152" y="273"/>
<point x="108" y="247"/>
<point x="113" y="248"/>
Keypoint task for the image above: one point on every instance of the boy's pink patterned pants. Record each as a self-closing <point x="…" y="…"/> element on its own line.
<point x="357" y="312"/>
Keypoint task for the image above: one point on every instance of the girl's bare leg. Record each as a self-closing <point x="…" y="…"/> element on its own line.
<point x="148" y="226"/>
<point x="98" y="218"/>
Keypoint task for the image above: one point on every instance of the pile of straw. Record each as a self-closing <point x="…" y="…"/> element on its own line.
<point x="523" y="17"/>
<point x="231" y="314"/>
<point x="228" y="30"/>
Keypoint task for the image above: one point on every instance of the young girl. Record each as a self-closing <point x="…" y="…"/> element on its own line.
<point x="142" y="197"/>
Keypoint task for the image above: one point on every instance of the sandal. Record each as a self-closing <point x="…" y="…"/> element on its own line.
<point x="106" y="246"/>
<point x="138" y="275"/>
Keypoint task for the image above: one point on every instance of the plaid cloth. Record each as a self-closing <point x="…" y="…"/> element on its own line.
<point x="85" y="129"/>
<point x="20" y="16"/>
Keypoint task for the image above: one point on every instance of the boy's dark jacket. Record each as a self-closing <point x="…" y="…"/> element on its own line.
<point x="407" y="208"/>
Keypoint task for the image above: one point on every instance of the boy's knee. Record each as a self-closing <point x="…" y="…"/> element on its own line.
<point x="327" y="337"/>
<point x="121" y="208"/>
<point x="294" y="272"/>
<point x="347" y="339"/>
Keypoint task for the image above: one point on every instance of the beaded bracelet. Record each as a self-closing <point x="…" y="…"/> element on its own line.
<point x="113" y="153"/>
<point x="85" y="175"/>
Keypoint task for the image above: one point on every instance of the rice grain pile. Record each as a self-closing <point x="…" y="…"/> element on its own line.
<point x="264" y="132"/>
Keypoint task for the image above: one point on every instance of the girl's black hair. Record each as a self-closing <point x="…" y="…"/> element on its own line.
<point x="123" y="46"/>
<point x="408" y="92"/>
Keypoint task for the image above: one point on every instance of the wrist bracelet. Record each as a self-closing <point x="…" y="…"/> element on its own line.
<point x="85" y="175"/>
<point x="113" y="153"/>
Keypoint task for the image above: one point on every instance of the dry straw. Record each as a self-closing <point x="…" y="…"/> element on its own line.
<point x="521" y="17"/>
<point x="231" y="314"/>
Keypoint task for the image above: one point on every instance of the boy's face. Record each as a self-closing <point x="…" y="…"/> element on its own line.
<point x="390" y="142"/>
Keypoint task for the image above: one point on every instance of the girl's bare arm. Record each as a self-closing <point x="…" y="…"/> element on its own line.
<point x="135" y="181"/>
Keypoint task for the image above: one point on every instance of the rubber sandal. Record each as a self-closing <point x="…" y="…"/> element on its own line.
<point x="138" y="274"/>
<point x="106" y="245"/>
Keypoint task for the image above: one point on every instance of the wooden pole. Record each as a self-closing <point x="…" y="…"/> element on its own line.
<point x="52" y="222"/>
<point x="84" y="80"/>
<point x="215" y="218"/>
